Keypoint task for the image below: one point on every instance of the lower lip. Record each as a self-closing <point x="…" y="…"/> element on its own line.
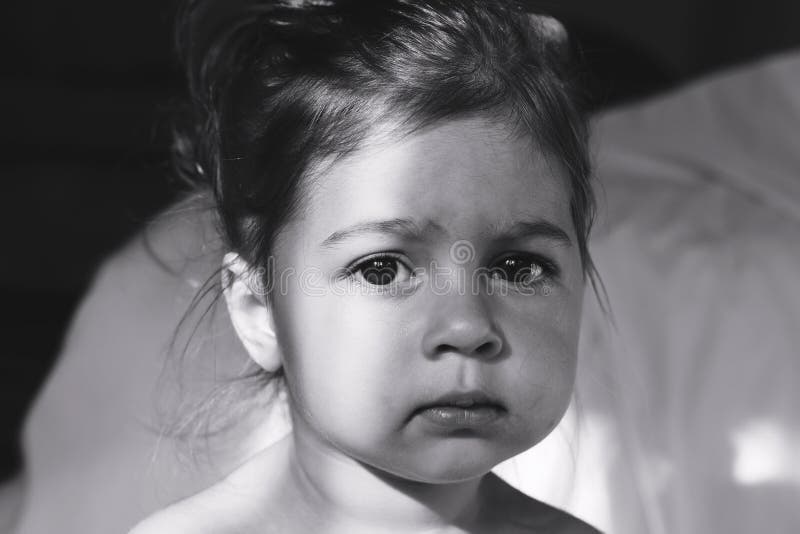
<point x="455" y="417"/>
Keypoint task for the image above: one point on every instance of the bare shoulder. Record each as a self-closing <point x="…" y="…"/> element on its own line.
<point x="515" y="512"/>
<point x="219" y="509"/>
<point x="234" y="504"/>
<point x="160" y="523"/>
<point x="191" y="515"/>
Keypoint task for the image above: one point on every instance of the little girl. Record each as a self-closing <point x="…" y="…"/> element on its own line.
<point x="403" y="187"/>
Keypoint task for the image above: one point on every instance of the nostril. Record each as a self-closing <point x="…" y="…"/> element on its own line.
<point x="487" y="349"/>
<point x="445" y="348"/>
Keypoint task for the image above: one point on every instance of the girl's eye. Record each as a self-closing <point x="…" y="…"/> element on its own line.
<point x="381" y="270"/>
<point x="524" y="270"/>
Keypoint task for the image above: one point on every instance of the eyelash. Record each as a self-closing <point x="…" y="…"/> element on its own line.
<point x="550" y="270"/>
<point x="356" y="267"/>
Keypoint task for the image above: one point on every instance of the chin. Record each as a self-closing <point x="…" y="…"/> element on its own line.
<point x="458" y="464"/>
<point x="455" y="474"/>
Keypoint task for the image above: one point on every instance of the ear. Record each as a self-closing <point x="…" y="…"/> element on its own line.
<point x="251" y="317"/>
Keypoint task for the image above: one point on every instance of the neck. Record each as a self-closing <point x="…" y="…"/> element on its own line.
<point x="338" y="493"/>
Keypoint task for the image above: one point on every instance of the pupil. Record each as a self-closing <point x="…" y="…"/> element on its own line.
<point x="521" y="272"/>
<point x="529" y="274"/>
<point x="380" y="272"/>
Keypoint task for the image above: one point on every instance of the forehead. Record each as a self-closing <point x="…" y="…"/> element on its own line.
<point x="463" y="175"/>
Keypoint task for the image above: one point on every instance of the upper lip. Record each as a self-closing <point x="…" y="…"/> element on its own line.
<point x="465" y="399"/>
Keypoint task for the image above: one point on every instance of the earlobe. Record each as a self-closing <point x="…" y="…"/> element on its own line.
<point x="249" y="312"/>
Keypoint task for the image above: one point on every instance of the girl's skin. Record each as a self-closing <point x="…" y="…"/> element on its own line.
<point x="360" y="360"/>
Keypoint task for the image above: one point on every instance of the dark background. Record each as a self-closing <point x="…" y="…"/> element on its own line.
<point x="86" y="89"/>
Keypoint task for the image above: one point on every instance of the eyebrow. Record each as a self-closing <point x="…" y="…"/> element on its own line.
<point x="537" y="227"/>
<point x="402" y="227"/>
<point x="409" y="229"/>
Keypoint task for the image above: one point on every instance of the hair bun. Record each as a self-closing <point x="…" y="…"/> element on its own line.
<point x="550" y="28"/>
<point x="552" y="35"/>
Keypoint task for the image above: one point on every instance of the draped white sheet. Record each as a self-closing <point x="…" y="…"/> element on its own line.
<point x="691" y="408"/>
<point x="688" y="418"/>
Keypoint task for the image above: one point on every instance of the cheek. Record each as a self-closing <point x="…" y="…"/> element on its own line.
<point x="342" y="361"/>
<point x="544" y="350"/>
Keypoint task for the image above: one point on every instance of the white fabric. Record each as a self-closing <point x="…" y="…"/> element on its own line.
<point x="691" y="418"/>
<point x="688" y="411"/>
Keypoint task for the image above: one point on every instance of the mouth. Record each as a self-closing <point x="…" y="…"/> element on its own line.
<point x="462" y="410"/>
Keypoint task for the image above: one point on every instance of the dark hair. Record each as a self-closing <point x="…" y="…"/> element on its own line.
<point x="280" y="86"/>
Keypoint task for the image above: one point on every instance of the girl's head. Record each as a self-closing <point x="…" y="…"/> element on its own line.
<point x="404" y="189"/>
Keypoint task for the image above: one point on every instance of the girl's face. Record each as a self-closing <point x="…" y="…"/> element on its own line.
<point x="401" y="349"/>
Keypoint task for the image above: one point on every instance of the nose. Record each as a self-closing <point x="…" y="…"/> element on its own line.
<point x="461" y="324"/>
